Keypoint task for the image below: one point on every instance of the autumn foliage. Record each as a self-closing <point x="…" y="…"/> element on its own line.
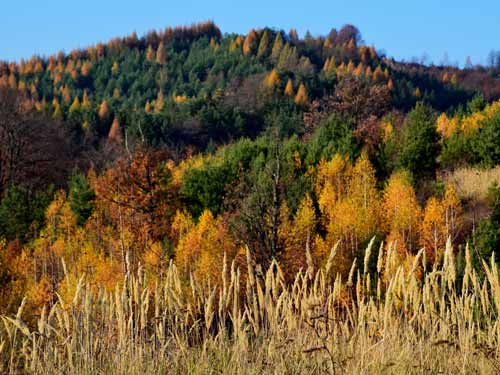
<point x="194" y="148"/>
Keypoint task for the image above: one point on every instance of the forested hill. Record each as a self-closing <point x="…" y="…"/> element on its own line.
<point x="190" y="146"/>
<point x="197" y="202"/>
<point x="195" y="85"/>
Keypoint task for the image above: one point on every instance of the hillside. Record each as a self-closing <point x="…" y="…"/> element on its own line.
<point x="254" y="189"/>
<point x="195" y="84"/>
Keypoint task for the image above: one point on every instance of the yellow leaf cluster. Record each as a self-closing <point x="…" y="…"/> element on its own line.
<point x="201" y="248"/>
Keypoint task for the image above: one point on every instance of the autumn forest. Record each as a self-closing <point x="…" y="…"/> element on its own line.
<point x="165" y="195"/>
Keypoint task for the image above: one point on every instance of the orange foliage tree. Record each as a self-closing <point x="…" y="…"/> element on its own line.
<point x="349" y="205"/>
<point x="302" y="99"/>
<point x="202" y="247"/>
<point x="137" y="199"/>
<point x="433" y="237"/>
<point x="441" y="220"/>
<point x="297" y="235"/>
<point x="250" y="43"/>
<point x="402" y="212"/>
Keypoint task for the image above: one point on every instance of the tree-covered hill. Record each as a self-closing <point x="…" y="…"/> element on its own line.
<point x="193" y="85"/>
<point x="191" y="146"/>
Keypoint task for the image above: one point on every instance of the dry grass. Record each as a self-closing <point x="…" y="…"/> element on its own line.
<point x="472" y="183"/>
<point x="390" y="322"/>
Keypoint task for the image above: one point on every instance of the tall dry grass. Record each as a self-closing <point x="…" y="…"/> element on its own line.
<point x="473" y="183"/>
<point x="389" y="321"/>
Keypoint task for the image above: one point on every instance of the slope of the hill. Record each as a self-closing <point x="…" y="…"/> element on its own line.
<point x="194" y="85"/>
<point x="189" y="146"/>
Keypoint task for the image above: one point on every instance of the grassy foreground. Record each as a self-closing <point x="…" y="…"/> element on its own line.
<point x="391" y="321"/>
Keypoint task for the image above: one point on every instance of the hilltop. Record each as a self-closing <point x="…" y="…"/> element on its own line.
<point x="195" y="85"/>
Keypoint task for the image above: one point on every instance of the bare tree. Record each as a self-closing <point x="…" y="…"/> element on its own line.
<point x="34" y="150"/>
<point x="357" y="99"/>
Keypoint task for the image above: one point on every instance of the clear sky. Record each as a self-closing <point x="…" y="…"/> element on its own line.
<point x="404" y="29"/>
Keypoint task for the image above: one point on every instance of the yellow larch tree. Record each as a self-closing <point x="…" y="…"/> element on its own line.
<point x="368" y="72"/>
<point x="402" y="213"/>
<point x="390" y="85"/>
<point x="277" y="47"/>
<point x="387" y="74"/>
<point x="86" y="67"/>
<point x="236" y="44"/>
<point x="331" y="66"/>
<point x="359" y="71"/>
<point x="115" y="68"/>
<point x="289" y="88"/>
<point x="326" y="64"/>
<point x="66" y="95"/>
<point x="70" y="67"/>
<point x="159" y="102"/>
<point x="179" y="99"/>
<point x="301" y="99"/>
<point x="453" y="212"/>
<point x="297" y="236"/>
<point x="161" y="55"/>
<point x="201" y="248"/>
<point x="263" y="44"/>
<point x="327" y="45"/>
<point x="350" y="67"/>
<point x="115" y="134"/>
<point x="363" y="192"/>
<point x="103" y="112"/>
<point x="272" y="80"/>
<point x="57" y="114"/>
<point x="12" y="81"/>
<point x="470" y="124"/>
<point x="150" y="54"/>
<point x="446" y="77"/>
<point x="387" y="130"/>
<point x="75" y="106"/>
<point x="85" y="100"/>
<point x="378" y="74"/>
<point x="349" y="206"/>
<point x="250" y="43"/>
<point x="332" y="175"/>
<point x="447" y="126"/>
<point x="213" y="43"/>
<point x="182" y="224"/>
<point x="433" y="235"/>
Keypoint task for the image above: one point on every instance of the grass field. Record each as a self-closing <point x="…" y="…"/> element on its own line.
<point x="388" y="321"/>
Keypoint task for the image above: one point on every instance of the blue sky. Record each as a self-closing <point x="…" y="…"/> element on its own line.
<point x="403" y="29"/>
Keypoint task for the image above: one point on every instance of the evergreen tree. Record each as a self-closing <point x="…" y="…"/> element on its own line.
<point x="420" y="147"/>
<point x="277" y="47"/>
<point x="486" y="239"/>
<point x="81" y="198"/>
<point x="263" y="45"/>
<point x="487" y="143"/>
<point x="22" y="212"/>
